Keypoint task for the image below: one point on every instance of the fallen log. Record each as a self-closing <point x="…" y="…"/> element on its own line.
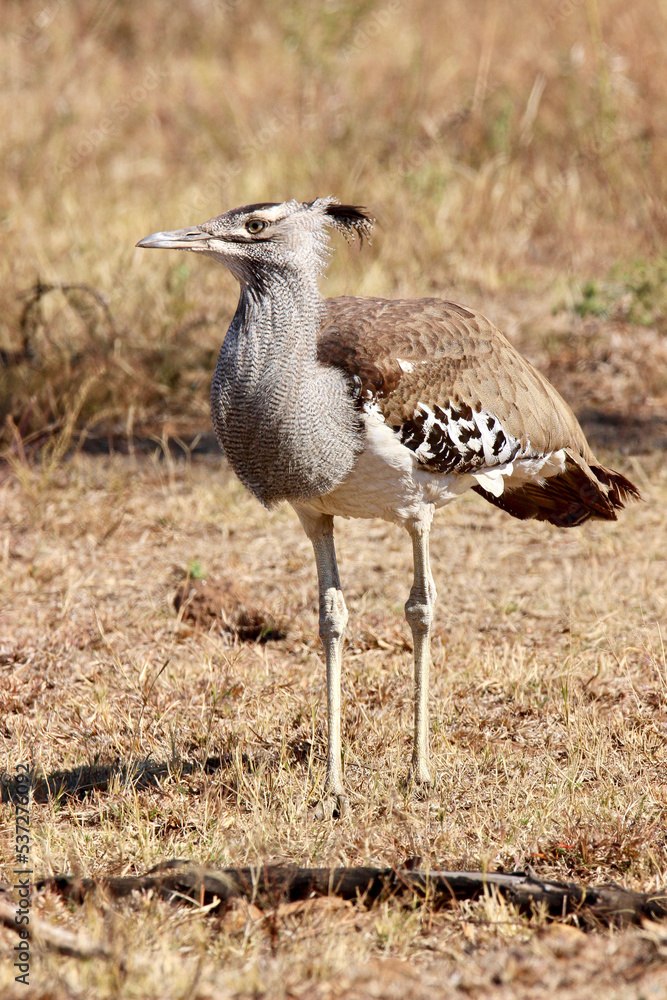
<point x="272" y="884"/>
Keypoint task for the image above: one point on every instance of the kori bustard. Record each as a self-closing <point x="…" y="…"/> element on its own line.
<point x="368" y="407"/>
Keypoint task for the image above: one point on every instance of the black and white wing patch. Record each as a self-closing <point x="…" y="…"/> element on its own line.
<point x="458" y="439"/>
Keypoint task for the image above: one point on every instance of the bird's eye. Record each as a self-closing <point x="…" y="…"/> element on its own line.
<point x="255" y="226"/>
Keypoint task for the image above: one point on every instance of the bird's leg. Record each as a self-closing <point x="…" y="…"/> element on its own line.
<point x="333" y="619"/>
<point x="419" y="613"/>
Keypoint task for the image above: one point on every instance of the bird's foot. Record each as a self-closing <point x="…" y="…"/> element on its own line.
<point x="419" y="781"/>
<point x="332" y="805"/>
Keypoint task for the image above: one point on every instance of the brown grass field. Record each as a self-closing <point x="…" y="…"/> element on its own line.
<point x="515" y="156"/>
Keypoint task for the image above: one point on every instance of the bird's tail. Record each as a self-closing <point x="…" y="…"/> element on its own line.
<point x="580" y="492"/>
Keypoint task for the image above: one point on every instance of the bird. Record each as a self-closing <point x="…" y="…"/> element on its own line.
<point x="378" y="408"/>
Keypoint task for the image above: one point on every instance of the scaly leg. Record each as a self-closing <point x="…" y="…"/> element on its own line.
<point x="419" y="613"/>
<point x="333" y="619"/>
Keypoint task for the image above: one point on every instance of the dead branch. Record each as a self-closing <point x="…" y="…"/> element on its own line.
<point x="271" y="884"/>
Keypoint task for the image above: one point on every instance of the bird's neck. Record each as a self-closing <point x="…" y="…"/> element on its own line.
<point x="287" y="424"/>
<point x="276" y="323"/>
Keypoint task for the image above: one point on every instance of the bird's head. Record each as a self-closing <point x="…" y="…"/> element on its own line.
<point x="258" y="241"/>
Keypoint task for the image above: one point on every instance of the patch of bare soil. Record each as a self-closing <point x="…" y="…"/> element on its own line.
<point x="222" y="603"/>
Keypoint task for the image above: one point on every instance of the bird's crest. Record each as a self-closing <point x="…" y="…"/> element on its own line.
<point x="350" y="220"/>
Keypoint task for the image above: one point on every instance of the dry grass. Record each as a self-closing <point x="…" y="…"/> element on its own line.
<point x="516" y="156"/>
<point x="547" y="722"/>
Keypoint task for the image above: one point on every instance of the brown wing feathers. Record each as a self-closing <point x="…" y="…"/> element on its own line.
<point x="408" y="354"/>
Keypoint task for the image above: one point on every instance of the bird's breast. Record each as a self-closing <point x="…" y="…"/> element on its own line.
<point x="290" y="438"/>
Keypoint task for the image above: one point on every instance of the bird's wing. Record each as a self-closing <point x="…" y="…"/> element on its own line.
<point x="463" y="399"/>
<point x="427" y="353"/>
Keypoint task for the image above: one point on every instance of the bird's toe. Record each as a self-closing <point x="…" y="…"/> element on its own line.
<point x="419" y="781"/>
<point x="330" y="806"/>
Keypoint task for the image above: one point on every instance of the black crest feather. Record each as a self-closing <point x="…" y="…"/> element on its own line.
<point x="350" y="219"/>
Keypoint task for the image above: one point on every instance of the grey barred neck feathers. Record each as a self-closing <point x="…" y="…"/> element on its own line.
<point x="287" y="423"/>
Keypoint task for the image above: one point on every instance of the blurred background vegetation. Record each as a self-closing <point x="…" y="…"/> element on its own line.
<point x="514" y="154"/>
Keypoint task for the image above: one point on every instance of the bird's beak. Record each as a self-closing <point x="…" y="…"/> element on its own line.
<point x="178" y="239"/>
